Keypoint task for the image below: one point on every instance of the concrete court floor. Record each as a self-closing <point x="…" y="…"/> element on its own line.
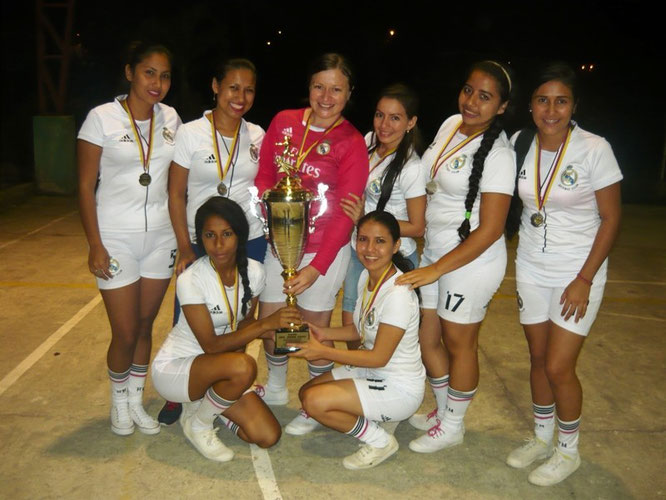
<point x="55" y="435"/>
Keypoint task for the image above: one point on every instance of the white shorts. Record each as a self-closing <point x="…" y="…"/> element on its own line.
<point x="321" y="295"/>
<point x="150" y="254"/>
<point x="382" y="400"/>
<point x="463" y="296"/>
<point x="538" y="304"/>
<point x="171" y="377"/>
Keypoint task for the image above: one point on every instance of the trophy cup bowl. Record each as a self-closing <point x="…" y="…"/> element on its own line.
<point x="287" y="224"/>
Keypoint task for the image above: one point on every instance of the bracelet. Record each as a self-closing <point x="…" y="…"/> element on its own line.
<point x="584" y="279"/>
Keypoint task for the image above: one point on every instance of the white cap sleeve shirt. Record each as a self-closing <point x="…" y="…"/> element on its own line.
<point x="552" y="254"/>
<point x="124" y="205"/>
<point x="398" y="306"/>
<point x="409" y="184"/>
<point x="198" y="284"/>
<point x="195" y="151"/>
<point x="446" y="207"/>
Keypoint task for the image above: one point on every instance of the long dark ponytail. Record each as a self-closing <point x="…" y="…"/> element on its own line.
<point x="411" y="141"/>
<point x="231" y="212"/>
<point x="501" y="74"/>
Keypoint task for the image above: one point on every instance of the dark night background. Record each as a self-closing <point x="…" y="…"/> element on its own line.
<point x="622" y="99"/>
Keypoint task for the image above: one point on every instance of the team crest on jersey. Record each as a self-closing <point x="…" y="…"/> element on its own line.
<point x="168" y="136"/>
<point x="456" y="163"/>
<point x="287" y="131"/>
<point x="324" y="148"/>
<point x="254" y="153"/>
<point x="569" y="178"/>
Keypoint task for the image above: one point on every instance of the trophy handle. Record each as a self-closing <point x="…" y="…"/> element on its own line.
<point x="323" y="205"/>
<point x="254" y="201"/>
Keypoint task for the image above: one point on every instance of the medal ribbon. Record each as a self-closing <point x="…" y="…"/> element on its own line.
<point x="381" y="158"/>
<point x="232" y="153"/>
<point x="233" y="316"/>
<point x="301" y="154"/>
<point x="557" y="161"/>
<point x="440" y="160"/>
<point x="145" y="159"/>
<point x="365" y="310"/>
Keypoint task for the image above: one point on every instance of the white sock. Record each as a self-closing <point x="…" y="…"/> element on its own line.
<point x="229" y="424"/>
<point x="316" y="370"/>
<point x="119" y="383"/>
<point x="567" y="437"/>
<point x="544" y="422"/>
<point x="456" y="407"/>
<point x="369" y="432"/>
<point x="211" y="406"/>
<point x="136" y="383"/>
<point x="277" y="371"/>
<point x="440" y="388"/>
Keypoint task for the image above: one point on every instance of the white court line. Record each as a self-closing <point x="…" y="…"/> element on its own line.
<point x="35" y="355"/>
<point x="620" y="282"/>
<point x="4" y="245"/>
<point x="648" y="318"/>
<point x="260" y="458"/>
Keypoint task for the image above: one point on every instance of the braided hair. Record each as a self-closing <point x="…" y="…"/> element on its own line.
<point x="231" y="212"/>
<point x="501" y="74"/>
<point x="409" y="143"/>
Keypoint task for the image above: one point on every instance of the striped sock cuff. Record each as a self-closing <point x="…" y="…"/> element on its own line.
<point x="461" y="395"/>
<point x="217" y="400"/>
<point x="568" y="427"/>
<point x="315" y="370"/>
<point x="119" y="378"/>
<point x="138" y="370"/>
<point x="359" y="428"/>
<point x="439" y="382"/>
<point x="276" y="360"/>
<point x="543" y="412"/>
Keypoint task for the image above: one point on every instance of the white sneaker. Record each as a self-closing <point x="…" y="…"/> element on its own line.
<point x="369" y="456"/>
<point x="301" y="425"/>
<point x="121" y="422"/>
<point x="207" y="442"/>
<point x="145" y="423"/>
<point x="556" y="469"/>
<point x="189" y="409"/>
<point x="534" y="449"/>
<point x="271" y="396"/>
<point x="437" y="439"/>
<point x="424" y="421"/>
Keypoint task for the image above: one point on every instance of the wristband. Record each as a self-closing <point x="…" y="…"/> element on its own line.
<point x="584" y="279"/>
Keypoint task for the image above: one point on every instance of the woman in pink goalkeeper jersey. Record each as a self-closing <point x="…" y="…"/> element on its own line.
<point x="327" y="149"/>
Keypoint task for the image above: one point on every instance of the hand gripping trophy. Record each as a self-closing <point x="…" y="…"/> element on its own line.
<point x="287" y="224"/>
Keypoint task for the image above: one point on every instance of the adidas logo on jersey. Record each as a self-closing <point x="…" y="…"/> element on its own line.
<point x="216" y="310"/>
<point x="287" y="131"/>
<point x="210" y="159"/>
<point x="126" y="138"/>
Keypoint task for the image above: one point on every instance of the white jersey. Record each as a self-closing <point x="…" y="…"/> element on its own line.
<point x="199" y="284"/>
<point x="552" y="254"/>
<point x="124" y="205"/>
<point x="446" y="207"/>
<point x="195" y="151"/>
<point x="409" y="184"/>
<point x="398" y="306"/>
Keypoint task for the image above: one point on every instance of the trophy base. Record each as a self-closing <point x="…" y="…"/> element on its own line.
<point x="285" y="336"/>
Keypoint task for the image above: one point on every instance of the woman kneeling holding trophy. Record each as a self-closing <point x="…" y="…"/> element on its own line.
<point x="322" y="151"/>
<point x="383" y="380"/>
<point x="201" y="362"/>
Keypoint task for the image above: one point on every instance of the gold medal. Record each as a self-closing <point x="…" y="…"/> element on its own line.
<point x="222" y="189"/>
<point x="431" y="187"/>
<point x="537" y="219"/>
<point x="324" y="148"/>
<point x="145" y="179"/>
<point x="114" y="266"/>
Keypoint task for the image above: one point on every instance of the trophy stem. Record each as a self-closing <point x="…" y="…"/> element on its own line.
<point x="287" y="274"/>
